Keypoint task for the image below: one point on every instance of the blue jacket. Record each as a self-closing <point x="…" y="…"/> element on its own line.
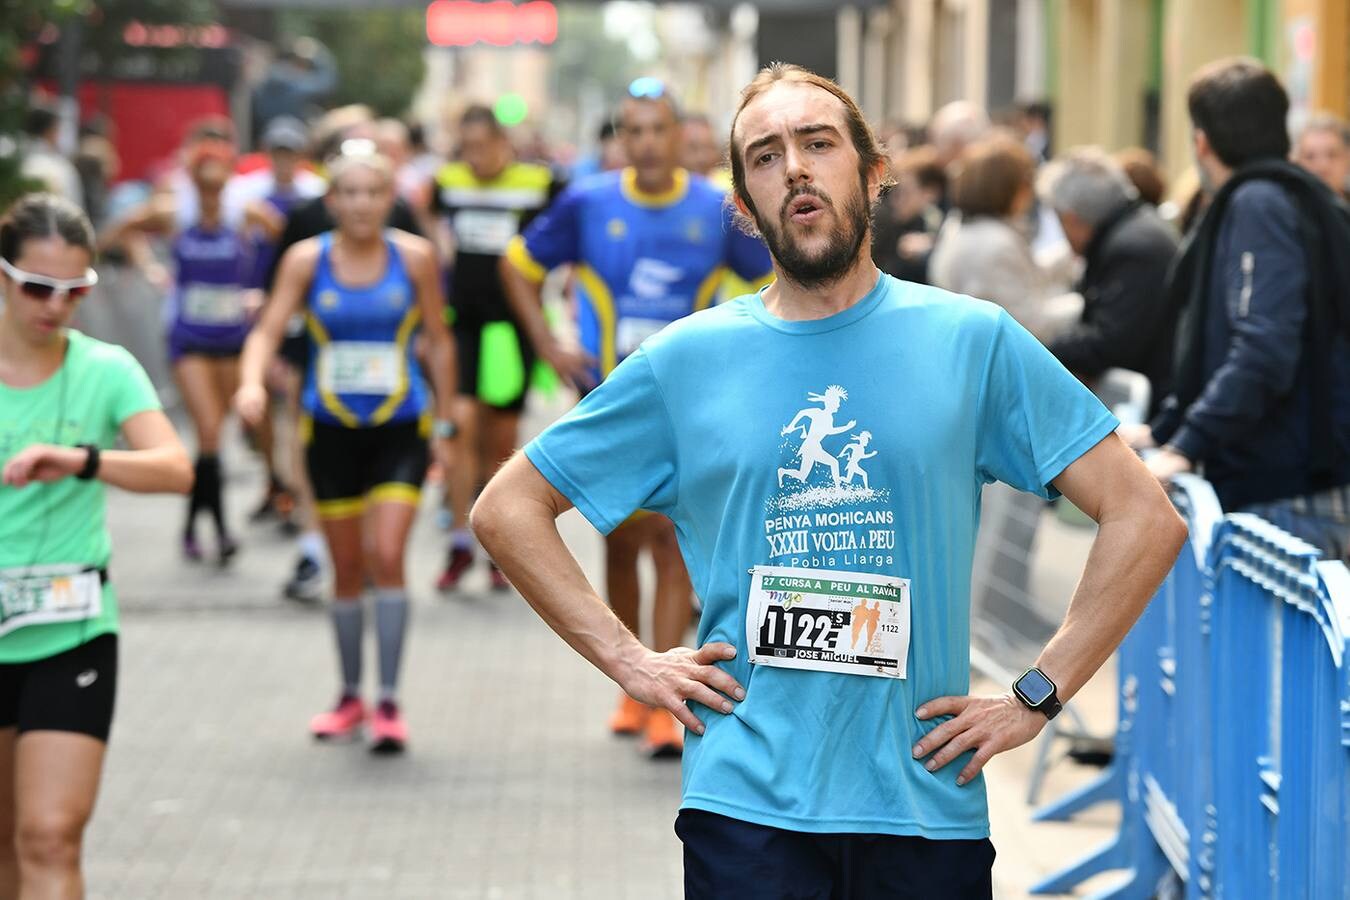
<point x="1253" y="422"/>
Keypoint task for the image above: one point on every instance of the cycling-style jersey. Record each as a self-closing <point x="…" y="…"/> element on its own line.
<point x="363" y="371"/>
<point x="207" y="313"/>
<point x="642" y="260"/>
<point x="484" y="216"/>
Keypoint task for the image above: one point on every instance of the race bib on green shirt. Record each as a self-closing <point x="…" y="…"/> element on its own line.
<point x="45" y="594"/>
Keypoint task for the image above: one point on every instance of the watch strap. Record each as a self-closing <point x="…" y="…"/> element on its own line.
<point x="91" y="463"/>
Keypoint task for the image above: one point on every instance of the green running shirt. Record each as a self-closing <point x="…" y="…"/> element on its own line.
<point x="98" y="387"/>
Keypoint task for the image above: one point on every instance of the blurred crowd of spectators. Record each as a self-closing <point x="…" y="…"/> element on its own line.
<point x="1093" y="252"/>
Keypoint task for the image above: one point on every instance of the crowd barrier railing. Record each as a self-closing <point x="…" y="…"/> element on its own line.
<point x="1232" y="758"/>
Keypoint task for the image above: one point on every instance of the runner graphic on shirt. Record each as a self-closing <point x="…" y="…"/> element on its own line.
<point x="855" y="453"/>
<point x="818" y="425"/>
<point x="810" y="476"/>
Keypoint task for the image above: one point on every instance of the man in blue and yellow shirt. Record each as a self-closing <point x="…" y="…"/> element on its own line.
<point x="650" y="244"/>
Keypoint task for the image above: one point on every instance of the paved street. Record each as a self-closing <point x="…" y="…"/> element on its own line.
<point x="512" y="788"/>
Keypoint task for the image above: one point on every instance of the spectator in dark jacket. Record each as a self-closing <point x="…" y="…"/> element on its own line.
<point x="1253" y="378"/>
<point x="908" y="218"/>
<point x="1127" y="322"/>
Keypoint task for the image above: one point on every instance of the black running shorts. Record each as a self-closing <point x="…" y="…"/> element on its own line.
<point x="71" y="691"/>
<point x="349" y="467"/>
<point x="294" y="350"/>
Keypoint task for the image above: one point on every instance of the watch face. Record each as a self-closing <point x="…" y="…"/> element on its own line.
<point x="1035" y="687"/>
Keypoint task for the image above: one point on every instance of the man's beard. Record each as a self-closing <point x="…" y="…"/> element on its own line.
<point x="825" y="266"/>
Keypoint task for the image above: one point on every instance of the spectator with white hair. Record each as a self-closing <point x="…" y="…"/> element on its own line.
<point x="1323" y="148"/>
<point x="1126" y="320"/>
<point x="955" y="127"/>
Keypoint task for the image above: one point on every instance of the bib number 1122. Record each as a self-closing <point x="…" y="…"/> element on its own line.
<point x="801" y="627"/>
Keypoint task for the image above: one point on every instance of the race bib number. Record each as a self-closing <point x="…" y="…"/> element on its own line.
<point x="849" y="622"/>
<point x="360" y="367"/>
<point x="49" y="594"/>
<point x="630" y="333"/>
<point x="211" y="304"/>
<point x="485" y="230"/>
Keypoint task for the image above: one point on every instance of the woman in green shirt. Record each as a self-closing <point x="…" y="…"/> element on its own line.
<point x="64" y="398"/>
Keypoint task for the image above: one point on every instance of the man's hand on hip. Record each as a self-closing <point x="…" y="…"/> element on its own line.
<point x="669" y="679"/>
<point x="987" y="725"/>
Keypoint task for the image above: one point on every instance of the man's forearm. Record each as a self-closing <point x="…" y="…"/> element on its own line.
<point x="526" y="299"/>
<point x="521" y="535"/>
<point x="1130" y="557"/>
<point x="444" y="376"/>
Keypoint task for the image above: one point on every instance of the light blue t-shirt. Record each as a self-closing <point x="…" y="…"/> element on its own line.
<point x="725" y="422"/>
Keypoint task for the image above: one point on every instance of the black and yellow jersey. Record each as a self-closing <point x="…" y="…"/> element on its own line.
<point x="483" y="217"/>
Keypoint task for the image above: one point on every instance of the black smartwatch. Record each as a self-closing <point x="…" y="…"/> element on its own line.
<point x="1038" y="692"/>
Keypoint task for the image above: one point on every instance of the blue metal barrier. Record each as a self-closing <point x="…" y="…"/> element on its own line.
<point x="1232" y="762"/>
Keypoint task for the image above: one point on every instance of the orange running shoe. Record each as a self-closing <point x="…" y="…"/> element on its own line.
<point x="629" y="717"/>
<point x="663" y="737"/>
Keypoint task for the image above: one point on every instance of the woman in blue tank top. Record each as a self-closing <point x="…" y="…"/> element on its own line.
<point x="367" y="294"/>
<point x="208" y="315"/>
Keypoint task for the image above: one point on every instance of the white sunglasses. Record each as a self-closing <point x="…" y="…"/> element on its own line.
<point x="41" y="287"/>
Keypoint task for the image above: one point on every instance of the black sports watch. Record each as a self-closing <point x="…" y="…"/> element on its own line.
<point x="91" y="462"/>
<point x="1037" y="692"/>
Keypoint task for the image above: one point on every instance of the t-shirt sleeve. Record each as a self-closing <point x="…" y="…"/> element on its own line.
<point x="1035" y="418"/>
<point x="130" y="389"/>
<point x="624" y="419"/>
<point x="745" y="255"/>
<point x="552" y="238"/>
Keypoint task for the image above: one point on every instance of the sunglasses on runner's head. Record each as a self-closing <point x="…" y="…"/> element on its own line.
<point x="647" y="88"/>
<point x="40" y="287"/>
<point x="358" y="147"/>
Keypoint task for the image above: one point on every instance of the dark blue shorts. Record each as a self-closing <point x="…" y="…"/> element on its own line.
<point x="726" y="857"/>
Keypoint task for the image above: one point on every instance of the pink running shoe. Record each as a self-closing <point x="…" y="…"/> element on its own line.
<point x="342" y="722"/>
<point x="388" y="731"/>
<point x="458" y="563"/>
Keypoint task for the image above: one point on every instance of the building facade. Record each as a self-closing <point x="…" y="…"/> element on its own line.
<point x="1114" y="71"/>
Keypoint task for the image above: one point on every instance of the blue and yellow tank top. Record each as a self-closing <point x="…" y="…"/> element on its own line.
<point x="363" y="371"/>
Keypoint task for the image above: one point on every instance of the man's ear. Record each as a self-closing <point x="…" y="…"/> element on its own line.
<point x="745" y="220"/>
<point x="1201" y="140"/>
<point x="875" y="176"/>
<point x="740" y="204"/>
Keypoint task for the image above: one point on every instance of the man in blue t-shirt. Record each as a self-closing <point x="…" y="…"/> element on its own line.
<point x="649" y="244"/>
<point x="821" y="447"/>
